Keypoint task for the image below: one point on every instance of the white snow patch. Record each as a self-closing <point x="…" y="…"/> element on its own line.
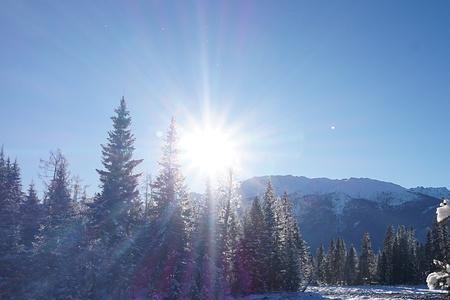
<point x="443" y="212"/>
<point x="434" y="278"/>
<point x="368" y="292"/>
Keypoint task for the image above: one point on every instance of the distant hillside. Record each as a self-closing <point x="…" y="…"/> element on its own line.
<point x="327" y="208"/>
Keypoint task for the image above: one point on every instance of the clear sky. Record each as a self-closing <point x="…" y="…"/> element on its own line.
<point x="285" y="73"/>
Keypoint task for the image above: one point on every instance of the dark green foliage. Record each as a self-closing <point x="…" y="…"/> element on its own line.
<point x="31" y="217"/>
<point x="321" y="265"/>
<point x="110" y="212"/>
<point x="10" y="201"/>
<point x="271" y="248"/>
<point x="385" y="261"/>
<point x="228" y="234"/>
<point x="351" y="267"/>
<point x="172" y="225"/>
<point x="366" y="261"/>
<point x="206" y="276"/>
<point x="112" y="217"/>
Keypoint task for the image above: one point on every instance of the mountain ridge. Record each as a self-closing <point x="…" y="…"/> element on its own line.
<point x="328" y="208"/>
<point x="365" y="188"/>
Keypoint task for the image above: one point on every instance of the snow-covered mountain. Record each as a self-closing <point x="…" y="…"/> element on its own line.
<point x="344" y="189"/>
<point x="436" y="192"/>
<point x="328" y="208"/>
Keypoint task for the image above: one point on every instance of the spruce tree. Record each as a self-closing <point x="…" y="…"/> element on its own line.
<point x="339" y="260"/>
<point x="58" y="235"/>
<point x="118" y="182"/>
<point x="111" y="223"/>
<point x="331" y="276"/>
<point x="385" y="269"/>
<point x="229" y="233"/>
<point x="351" y="267"/>
<point x="271" y="250"/>
<point x="366" y="261"/>
<point x="294" y="252"/>
<point x="206" y="276"/>
<point x="171" y="224"/>
<point x="253" y="240"/>
<point x="31" y="218"/>
<point x="10" y="201"/>
<point x="321" y="265"/>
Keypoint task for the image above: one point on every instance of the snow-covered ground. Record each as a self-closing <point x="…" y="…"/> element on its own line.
<point x="357" y="293"/>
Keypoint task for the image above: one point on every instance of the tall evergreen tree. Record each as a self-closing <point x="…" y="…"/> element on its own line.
<point x="118" y="182"/>
<point x="58" y="237"/>
<point x="331" y="269"/>
<point x="385" y="269"/>
<point x="111" y="223"/>
<point x="171" y="224"/>
<point x="294" y="252"/>
<point x="321" y="265"/>
<point x="351" y="267"/>
<point x="271" y="250"/>
<point x="10" y="200"/>
<point x="31" y="218"/>
<point x="366" y="261"/>
<point x="253" y="240"/>
<point x="229" y="232"/>
<point x="339" y="260"/>
<point x="206" y="278"/>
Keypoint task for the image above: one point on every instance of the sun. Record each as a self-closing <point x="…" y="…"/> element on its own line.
<point x="209" y="150"/>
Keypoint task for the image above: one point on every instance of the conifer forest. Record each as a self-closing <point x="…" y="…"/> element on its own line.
<point x="138" y="238"/>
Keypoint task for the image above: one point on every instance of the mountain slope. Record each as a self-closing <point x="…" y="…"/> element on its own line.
<point x="327" y="208"/>
<point x="364" y="188"/>
<point x="437" y="192"/>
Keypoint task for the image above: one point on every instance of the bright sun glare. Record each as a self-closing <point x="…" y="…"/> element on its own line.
<point x="210" y="151"/>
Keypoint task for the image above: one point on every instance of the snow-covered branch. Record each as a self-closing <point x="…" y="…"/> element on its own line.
<point x="441" y="278"/>
<point x="443" y="211"/>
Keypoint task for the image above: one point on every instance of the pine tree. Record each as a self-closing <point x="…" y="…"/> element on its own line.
<point x="321" y="265"/>
<point x="339" y="260"/>
<point x="351" y="267"/>
<point x="206" y="275"/>
<point x="111" y="223"/>
<point x="439" y="235"/>
<point x="257" y="238"/>
<point x="171" y="225"/>
<point x="31" y="218"/>
<point x="385" y="269"/>
<point x="331" y="268"/>
<point x="229" y="233"/>
<point x="59" y="234"/>
<point x="413" y="267"/>
<point x="290" y="247"/>
<point x="429" y="252"/>
<point x="110" y="210"/>
<point x="271" y="250"/>
<point x="366" y="261"/>
<point x="10" y="201"/>
<point x="253" y="240"/>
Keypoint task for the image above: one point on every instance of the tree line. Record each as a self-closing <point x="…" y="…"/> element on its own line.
<point x="401" y="260"/>
<point x="158" y="244"/>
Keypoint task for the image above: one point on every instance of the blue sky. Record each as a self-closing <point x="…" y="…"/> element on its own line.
<point x="282" y="72"/>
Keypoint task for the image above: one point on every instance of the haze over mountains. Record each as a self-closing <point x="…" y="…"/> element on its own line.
<point x="327" y="208"/>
